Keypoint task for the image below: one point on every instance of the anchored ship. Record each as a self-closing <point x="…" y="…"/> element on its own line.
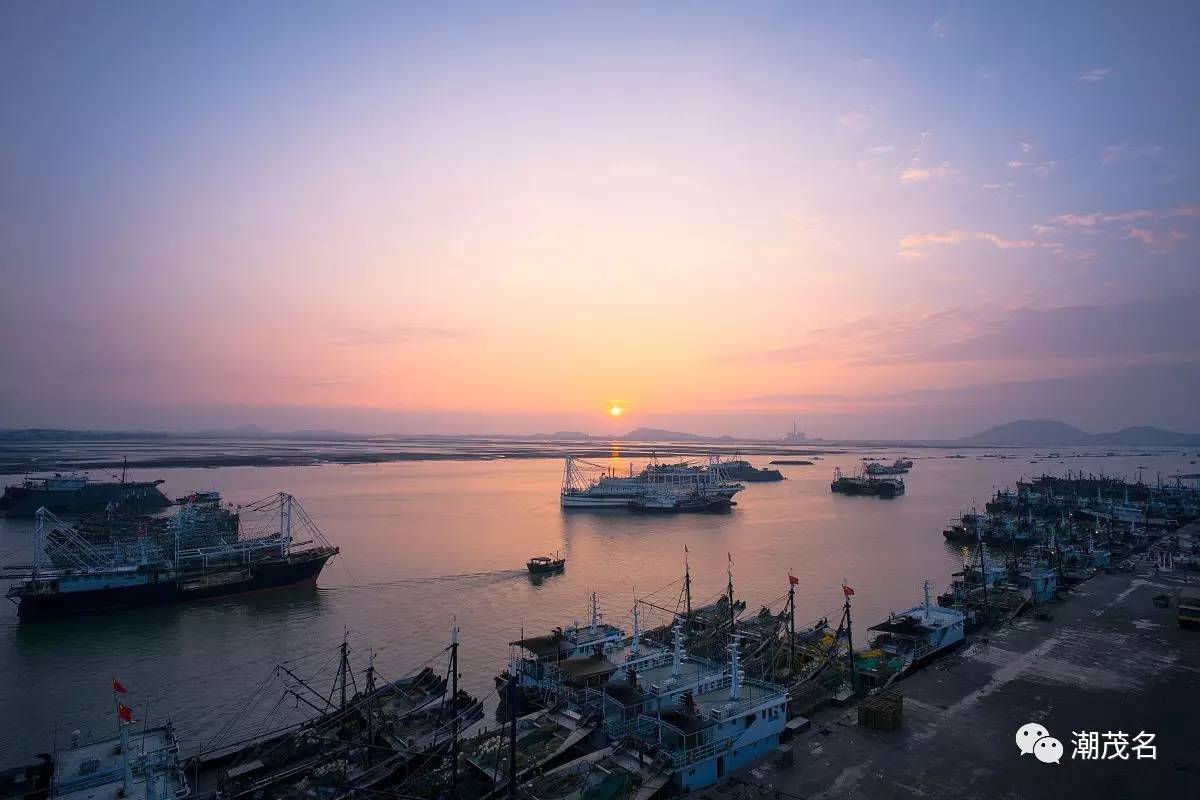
<point x="275" y="544"/>
<point x="78" y="494"/>
<point x="662" y="487"/>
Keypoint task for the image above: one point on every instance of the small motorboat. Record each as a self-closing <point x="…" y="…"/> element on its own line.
<point x="546" y="565"/>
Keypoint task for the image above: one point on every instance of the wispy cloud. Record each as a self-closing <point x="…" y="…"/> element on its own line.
<point x="917" y="174"/>
<point x="917" y="245"/>
<point x="1121" y="152"/>
<point x="1039" y="168"/>
<point x="1158" y="241"/>
<point x="1025" y="147"/>
<point x="1080" y="332"/>
<point x="1095" y="75"/>
<point x="857" y="121"/>
<point x="880" y="149"/>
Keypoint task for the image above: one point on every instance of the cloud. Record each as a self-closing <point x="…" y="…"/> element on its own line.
<point x="924" y="135"/>
<point x="916" y="245"/>
<point x="1158" y="241"/>
<point x="857" y="121"/>
<point x="1039" y="168"/>
<point x="1026" y="147"/>
<point x="1095" y="220"/>
<point x="880" y="149"/>
<point x="917" y="174"/>
<point x="1103" y="399"/>
<point x="1005" y="244"/>
<point x="394" y="334"/>
<point x="1115" y="153"/>
<point x="1086" y="333"/>
<point x="1095" y="75"/>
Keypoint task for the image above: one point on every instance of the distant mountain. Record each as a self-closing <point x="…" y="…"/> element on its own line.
<point x="1047" y="432"/>
<point x="660" y="435"/>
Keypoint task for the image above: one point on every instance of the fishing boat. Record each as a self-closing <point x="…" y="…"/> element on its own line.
<point x="546" y="565"/>
<point x="910" y="638"/>
<point x="593" y="486"/>
<point x="358" y="740"/>
<point x="898" y="467"/>
<point x="671" y="503"/>
<point x="276" y="544"/>
<point x="738" y="469"/>
<point x="75" y="493"/>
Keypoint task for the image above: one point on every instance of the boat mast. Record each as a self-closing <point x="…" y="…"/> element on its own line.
<point x="343" y="669"/>
<point x="454" y="710"/>
<point x="791" y="621"/>
<point x="987" y="610"/>
<point x="849" y="641"/>
<point x="687" y="587"/>
<point x="370" y="716"/>
<point x="732" y="612"/>
<point x="512" y="731"/>
<point x="285" y="522"/>
<point x="39" y="540"/>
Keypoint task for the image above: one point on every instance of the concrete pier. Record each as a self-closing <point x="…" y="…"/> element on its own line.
<point x="1109" y="661"/>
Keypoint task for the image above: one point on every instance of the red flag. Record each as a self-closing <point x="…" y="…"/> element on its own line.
<point x="124" y="712"/>
<point x="793" y="580"/>
<point x="118" y="688"/>
<point x="846" y="590"/>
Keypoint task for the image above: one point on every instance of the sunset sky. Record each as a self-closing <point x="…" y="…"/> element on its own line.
<point x="892" y="219"/>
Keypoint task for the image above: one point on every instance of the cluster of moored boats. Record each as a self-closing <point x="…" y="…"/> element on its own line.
<point x="1054" y="532"/>
<point x="587" y="707"/>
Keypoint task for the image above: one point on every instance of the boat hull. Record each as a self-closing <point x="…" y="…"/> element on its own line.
<point x="19" y="501"/>
<point x="169" y="589"/>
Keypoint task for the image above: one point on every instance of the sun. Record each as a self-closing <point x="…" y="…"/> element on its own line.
<point x="616" y="411"/>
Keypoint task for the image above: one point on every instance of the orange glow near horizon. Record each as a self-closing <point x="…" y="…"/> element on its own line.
<point x="616" y="411"/>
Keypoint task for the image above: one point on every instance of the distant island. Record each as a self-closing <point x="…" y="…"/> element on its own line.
<point x="1048" y="432"/>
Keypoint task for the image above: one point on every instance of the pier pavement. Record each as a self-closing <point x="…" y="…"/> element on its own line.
<point x="1108" y="662"/>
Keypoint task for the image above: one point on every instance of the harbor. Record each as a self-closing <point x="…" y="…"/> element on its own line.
<point x="598" y="685"/>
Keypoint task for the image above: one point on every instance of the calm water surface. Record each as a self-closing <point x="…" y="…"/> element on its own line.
<point x="425" y="542"/>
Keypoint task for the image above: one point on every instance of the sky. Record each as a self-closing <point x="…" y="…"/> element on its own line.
<point x="872" y="219"/>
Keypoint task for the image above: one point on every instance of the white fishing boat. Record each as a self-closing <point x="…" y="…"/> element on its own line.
<point x="917" y="635"/>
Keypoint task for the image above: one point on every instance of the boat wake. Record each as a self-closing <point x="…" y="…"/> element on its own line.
<point x="465" y="576"/>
